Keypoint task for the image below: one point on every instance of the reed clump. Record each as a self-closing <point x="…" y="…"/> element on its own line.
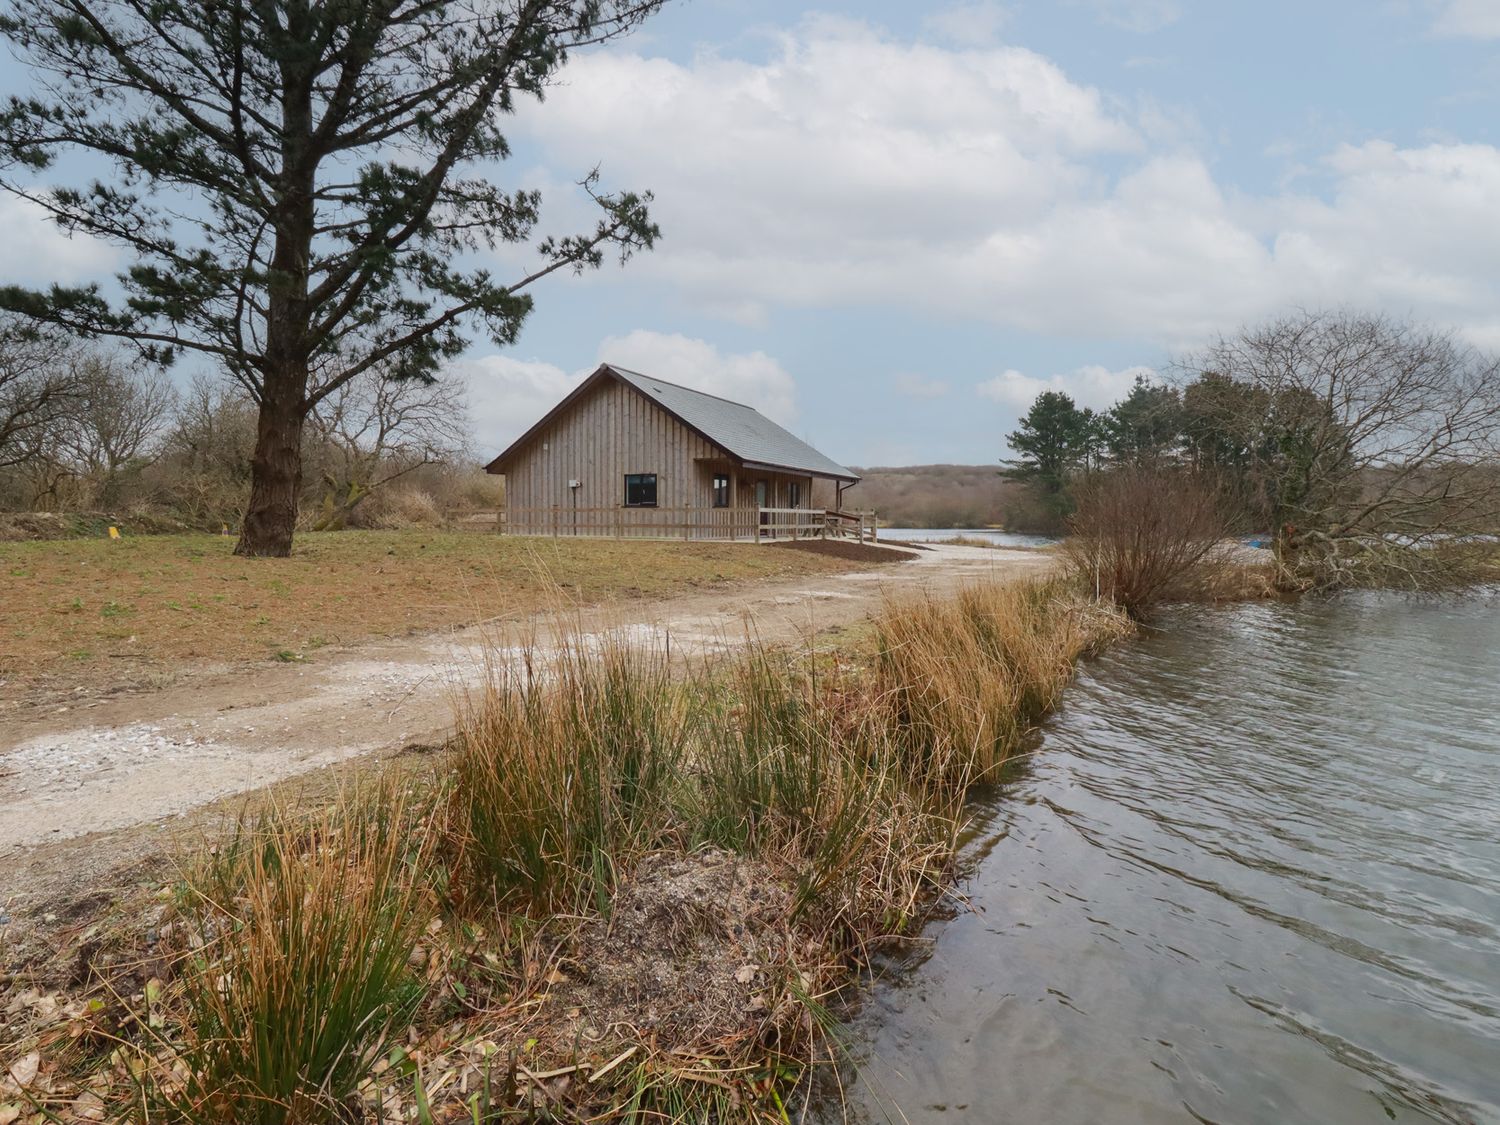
<point x="631" y="892"/>
<point x="296" y="971"/>
<point x="565" y="771"/>
<point x="966" y="678"/>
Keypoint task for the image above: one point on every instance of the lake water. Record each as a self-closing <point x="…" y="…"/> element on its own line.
<point x="1251" y="874"/>
<point x="940" y="534"/>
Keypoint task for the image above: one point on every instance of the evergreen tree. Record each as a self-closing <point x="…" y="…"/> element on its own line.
<point x="1145" y="427"/>
<point x="1054" y="441"/>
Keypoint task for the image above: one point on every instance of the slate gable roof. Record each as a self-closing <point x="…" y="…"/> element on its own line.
<point x="743" y="432"/>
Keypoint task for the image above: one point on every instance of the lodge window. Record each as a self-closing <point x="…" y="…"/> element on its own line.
<point x="794" y="494"/>
<point x="721" y="490"/>
<point x="640" y="490"/>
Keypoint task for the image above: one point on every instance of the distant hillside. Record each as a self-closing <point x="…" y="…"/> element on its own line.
<point x="942" y="496"/>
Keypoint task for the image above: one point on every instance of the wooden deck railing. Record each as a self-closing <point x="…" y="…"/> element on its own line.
<point x="752" y="524"/>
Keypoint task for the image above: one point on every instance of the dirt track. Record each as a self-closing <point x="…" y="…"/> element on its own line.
<point x="86" y="787"/>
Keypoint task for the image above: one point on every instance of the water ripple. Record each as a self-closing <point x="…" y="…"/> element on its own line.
<point x="1252" y="874"/>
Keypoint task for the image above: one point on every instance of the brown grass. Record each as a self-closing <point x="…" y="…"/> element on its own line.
<point x="103" y="608"/>
<point x="968" y="677"/>
<point x="630" y="895"/>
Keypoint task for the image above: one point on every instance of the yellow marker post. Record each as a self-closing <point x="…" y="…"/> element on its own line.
<point x="114" y="533"/>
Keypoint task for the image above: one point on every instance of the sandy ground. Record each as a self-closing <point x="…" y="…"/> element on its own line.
<point x="89" y="786"/>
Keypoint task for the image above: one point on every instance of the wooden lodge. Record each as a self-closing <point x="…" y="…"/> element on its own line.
<point x="631" y="456"/>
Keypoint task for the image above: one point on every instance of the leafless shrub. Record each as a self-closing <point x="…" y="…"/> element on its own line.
<point x="1142" y="535"/>
<point x="375" y="430"/>
<point x="1367" y="443"/>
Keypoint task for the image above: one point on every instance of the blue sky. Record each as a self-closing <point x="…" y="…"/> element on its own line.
<point x="891" y="224"/>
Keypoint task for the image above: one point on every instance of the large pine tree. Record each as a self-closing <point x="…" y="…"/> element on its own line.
<point x="299" y="185"/>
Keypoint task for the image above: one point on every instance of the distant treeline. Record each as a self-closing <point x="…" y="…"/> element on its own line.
<point x="965" y="496"/>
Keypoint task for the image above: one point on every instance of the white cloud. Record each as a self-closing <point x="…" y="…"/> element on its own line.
<point x="1405" y="229"/>
<point x="37" y="252"/>
<point x="1092" y="386"/>
<point x="1470" y="19"/>
<point x="983" y="182"/>
<point x="508" y="395"/>
<point x="800" y="179"/>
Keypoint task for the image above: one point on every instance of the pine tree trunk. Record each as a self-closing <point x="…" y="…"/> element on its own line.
<point x="276" y="467"/>
<point x="275" y="476"/>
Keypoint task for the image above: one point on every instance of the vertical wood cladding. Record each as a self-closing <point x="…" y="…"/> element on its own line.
<point x="609" y="432"/>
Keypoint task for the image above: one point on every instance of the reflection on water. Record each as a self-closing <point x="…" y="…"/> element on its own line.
<point x="943" y="534"/>
<point x="1252" y="874"/>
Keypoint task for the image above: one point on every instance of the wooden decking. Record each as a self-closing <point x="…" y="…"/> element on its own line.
<point x="688" y="524"/>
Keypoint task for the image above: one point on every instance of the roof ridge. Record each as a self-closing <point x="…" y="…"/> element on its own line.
<point x="683" y="387"/>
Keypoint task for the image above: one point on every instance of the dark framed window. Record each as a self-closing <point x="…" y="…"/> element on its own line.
<point x="640" y="490"/>
<point x="794" y="494"/>
<point x="721" y="490"/>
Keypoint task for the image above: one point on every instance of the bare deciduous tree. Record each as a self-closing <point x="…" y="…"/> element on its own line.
<point x="206" y="460"/>
<point x="374" y="430"/>
<point x="39" y="390"/>
<point x="1370" y="437"/>
<point x="120" y="417"/>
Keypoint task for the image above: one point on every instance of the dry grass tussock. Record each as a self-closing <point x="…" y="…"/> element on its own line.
<point x="631" y="892"/>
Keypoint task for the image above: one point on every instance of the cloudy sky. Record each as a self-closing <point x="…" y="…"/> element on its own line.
<point x="891" y="224"/>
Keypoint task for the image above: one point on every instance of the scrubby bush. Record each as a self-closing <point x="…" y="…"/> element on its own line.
<point x="1142" y="535"/>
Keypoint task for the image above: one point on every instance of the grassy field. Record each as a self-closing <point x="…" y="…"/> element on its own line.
<point x="108" y="608"/>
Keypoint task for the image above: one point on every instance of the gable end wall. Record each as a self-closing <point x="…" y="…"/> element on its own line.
<point x="611" y="431"/>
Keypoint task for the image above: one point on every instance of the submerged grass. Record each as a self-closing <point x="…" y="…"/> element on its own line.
<point x="631" y="893"/>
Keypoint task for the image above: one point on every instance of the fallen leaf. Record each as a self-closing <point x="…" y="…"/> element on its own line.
<point x="24" y="1069"/>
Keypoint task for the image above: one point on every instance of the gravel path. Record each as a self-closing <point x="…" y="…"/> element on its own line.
<point x="97" y="766"/>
